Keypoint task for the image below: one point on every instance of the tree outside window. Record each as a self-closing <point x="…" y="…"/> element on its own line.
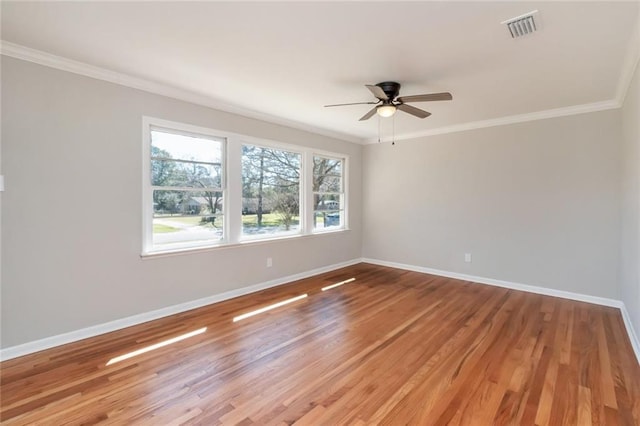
<point x="270" y="191"/>
<point x="187" y="202"/>
<point x="186" y="179"/>
<point x="328" y="192"/>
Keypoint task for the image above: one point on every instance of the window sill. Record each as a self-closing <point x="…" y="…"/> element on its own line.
<point x="245" y="243"/>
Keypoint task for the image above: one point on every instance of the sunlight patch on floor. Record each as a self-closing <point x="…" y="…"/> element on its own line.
<point x="156" y="346"/>
<point x="268" y="308"/>
<point x="329" y="287"/>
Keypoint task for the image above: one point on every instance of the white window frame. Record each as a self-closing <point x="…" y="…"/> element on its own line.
<point x="150" y="124"/>
<point x="232" y="188"/>
<point x="301" y="189"/>
<point x="343" y="196"/>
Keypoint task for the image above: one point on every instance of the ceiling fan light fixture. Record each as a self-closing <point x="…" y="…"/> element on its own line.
<point x="386" y="110"/>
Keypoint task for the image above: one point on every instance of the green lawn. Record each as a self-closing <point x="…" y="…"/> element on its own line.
<point x="268" y="219"/>
<point x="248" y="220"/>
<point x="187" y="220"/>
<point x="163" y="229"/>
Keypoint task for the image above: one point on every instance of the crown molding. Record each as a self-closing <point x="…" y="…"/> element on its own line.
<point x="46" y="59"/>
<point x="53" y="61"/>
<point x="631" y="61"/>
<point x="511" y="119"/>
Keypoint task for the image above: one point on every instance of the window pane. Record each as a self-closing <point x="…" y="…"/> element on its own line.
<point x="324" y="202"/>
<point x="181" y="147"/>
<point x="186" y="203"/>
<point x="328" y="183"/>
<point x="270" y="191"/>
<point x="178" y="230"/>
<point x="189" y="175"/>
<point x="186" y="216"/>
<point x="327" y="219"/>
<point x="323" y="165"/>
<point x="328" y="187"/>
<point x="327" y="174"/>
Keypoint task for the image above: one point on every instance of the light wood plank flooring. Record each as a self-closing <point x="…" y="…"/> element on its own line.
<point x="392" y="347"/>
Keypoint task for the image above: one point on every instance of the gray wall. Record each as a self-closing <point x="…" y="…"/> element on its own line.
<point x="71" y="212"/>
<point x="630" y="250"/>
<point x="535" y="203"/>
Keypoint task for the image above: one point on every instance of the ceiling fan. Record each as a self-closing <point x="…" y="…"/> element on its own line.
<point x="388" y="101"/>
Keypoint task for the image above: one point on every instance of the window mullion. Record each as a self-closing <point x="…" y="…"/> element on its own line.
<point x="233" y="203"/>
<point x="186" y="188"/>
<point x="344" y="198"/>
<point x="307" y="193"/>
<point x="147" y="192"/>
<point x="176" y="160"/>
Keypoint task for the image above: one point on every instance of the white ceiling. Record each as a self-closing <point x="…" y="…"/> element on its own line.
<point x="289" y="59"/>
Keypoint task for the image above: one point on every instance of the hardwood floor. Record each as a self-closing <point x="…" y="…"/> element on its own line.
<point x="392" y="347"/>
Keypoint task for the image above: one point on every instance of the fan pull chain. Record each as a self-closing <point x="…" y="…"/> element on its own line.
<point x="393" y="131"/>
<point x="378" y="128"/>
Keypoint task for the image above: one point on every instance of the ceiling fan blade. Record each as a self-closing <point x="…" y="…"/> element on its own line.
<point x="413" y="110"/>
<point x="368" y="115"/>
<point x="354" y="103"/>
<point x="444" y="96"/>
<point x="377" y="92"/>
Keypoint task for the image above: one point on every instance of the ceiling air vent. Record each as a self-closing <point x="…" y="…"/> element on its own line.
<point x="521" y="25"/>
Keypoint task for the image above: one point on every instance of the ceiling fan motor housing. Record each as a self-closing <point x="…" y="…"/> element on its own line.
<point x="390" y="88"/>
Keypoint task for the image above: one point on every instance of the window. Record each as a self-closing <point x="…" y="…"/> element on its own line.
<point x="328" y="193"/>
<point x="186" y="182"/>
<point x="207" y="188"/>
<point x="270" y="191"/>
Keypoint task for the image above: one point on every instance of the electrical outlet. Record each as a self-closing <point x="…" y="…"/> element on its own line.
<point x="269" y="262"/>
<point x="467" y="257"/>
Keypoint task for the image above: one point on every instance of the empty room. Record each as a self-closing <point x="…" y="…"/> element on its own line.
<point x="320" y="213"/>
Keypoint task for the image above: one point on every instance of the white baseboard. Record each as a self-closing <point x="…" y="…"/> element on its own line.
<point x="633" y="337"/>
<point x="499" y="283"/>
<point x="73" y="336"/>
